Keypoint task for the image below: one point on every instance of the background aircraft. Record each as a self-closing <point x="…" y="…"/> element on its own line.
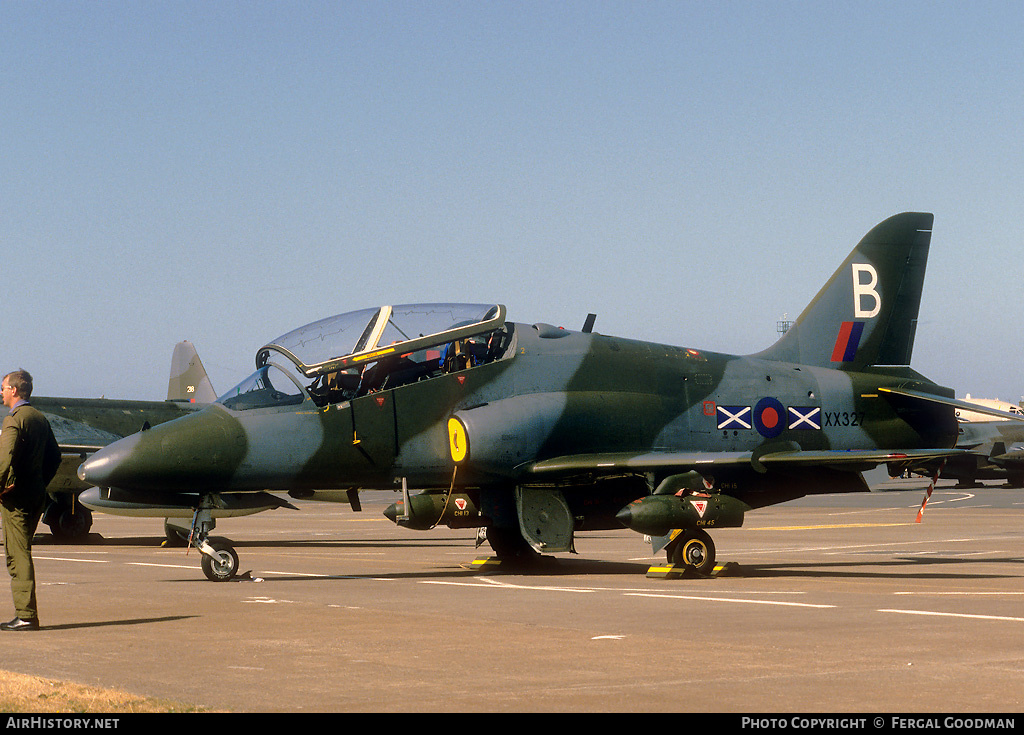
<point x="995" y="452"/>
<point x="537" y="432"/>
<point x="84" y="425"/>
<point x="992" y="433"/>
<point x="188" y="390"/>
<point x="1004" y="406"/>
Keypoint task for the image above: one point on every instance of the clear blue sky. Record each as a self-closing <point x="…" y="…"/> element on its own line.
<point x="690" y="171"/>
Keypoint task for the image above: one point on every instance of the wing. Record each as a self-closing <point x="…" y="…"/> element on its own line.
<point x="76" y="441"/>
<point x="775" y="456"/>
<point x="779" y="456"/>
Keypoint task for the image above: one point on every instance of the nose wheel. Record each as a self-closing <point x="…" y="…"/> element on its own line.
<point x="219" y="560"/>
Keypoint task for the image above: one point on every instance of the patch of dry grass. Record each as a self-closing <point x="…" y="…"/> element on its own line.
<point x="23" y="693"/>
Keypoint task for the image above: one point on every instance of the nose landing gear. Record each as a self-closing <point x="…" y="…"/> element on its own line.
<point x="219" y="561"/>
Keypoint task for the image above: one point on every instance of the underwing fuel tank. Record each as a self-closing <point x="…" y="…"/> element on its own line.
<point x="656" y="515"/>
<point x="426" y="510"/>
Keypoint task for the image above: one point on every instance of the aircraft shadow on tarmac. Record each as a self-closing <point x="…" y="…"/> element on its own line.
<point x="108" y="623"/>
<point x="421" y="542"/>
<point x="899" y="567"/>
<point x="539" y="566"/>
<point x="551" y="567"/>
<point x="879" y="569"/>
<point x="95" y="539"/>
<point x="547" y="567"/>
<point x="907" y="568"/>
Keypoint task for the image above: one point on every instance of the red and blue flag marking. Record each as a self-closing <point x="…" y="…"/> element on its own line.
<point x="847" y="341"/>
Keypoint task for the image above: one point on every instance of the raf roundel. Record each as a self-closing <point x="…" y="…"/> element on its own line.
<point x="769" y="418"/>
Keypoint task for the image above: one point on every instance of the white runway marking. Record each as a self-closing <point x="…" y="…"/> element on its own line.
<point x="729" y="599"/>
<point x="954" y="615"/>
<point x="59" y="558"/>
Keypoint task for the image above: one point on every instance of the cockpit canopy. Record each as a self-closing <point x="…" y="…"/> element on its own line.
<point x="358" y="337"/>
<point x="362" y="351"/>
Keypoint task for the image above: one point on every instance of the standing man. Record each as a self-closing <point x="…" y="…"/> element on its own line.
<point x="29" y="457"/>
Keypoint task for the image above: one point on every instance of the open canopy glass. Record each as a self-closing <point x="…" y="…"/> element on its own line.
<point x="358" y="337"/>
<point x="361" y="352"/>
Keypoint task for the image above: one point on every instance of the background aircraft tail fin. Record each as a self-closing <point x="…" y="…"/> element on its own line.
<point x="867" y="312"/>
<point x="189" y="381"/>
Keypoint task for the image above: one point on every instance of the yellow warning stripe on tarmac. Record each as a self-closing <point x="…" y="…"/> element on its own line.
<point x="483" y="563"/>
<point x="675" y="571"/>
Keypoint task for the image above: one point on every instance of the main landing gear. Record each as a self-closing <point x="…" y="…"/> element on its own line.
<point x="694" y="550"/>
<point x="67" y="518"/>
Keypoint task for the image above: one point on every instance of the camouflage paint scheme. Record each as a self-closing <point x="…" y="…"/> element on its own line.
<point x="557" y="431"/>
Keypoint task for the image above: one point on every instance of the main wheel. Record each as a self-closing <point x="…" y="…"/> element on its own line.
<point x="696" y="551"/>
<point x="224" y="567"/>
<point x="68" y="521"/>
<point x="74" y="523"/>
<point x="508" y="543"/>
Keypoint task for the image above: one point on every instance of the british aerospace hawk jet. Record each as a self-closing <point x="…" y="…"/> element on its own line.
<point x="538" y="432"/>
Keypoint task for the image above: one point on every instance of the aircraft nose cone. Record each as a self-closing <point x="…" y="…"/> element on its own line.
<point x="196" y="453"/>
<point x="101" y="468"/>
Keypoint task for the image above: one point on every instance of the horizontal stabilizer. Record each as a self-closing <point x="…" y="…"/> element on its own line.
<point x="953" y="402"/>
<point x="1013" y="459"/>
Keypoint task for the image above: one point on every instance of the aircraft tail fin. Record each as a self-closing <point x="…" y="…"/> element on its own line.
<point x="867" y="312"/>
<point x="189" y="381"/>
